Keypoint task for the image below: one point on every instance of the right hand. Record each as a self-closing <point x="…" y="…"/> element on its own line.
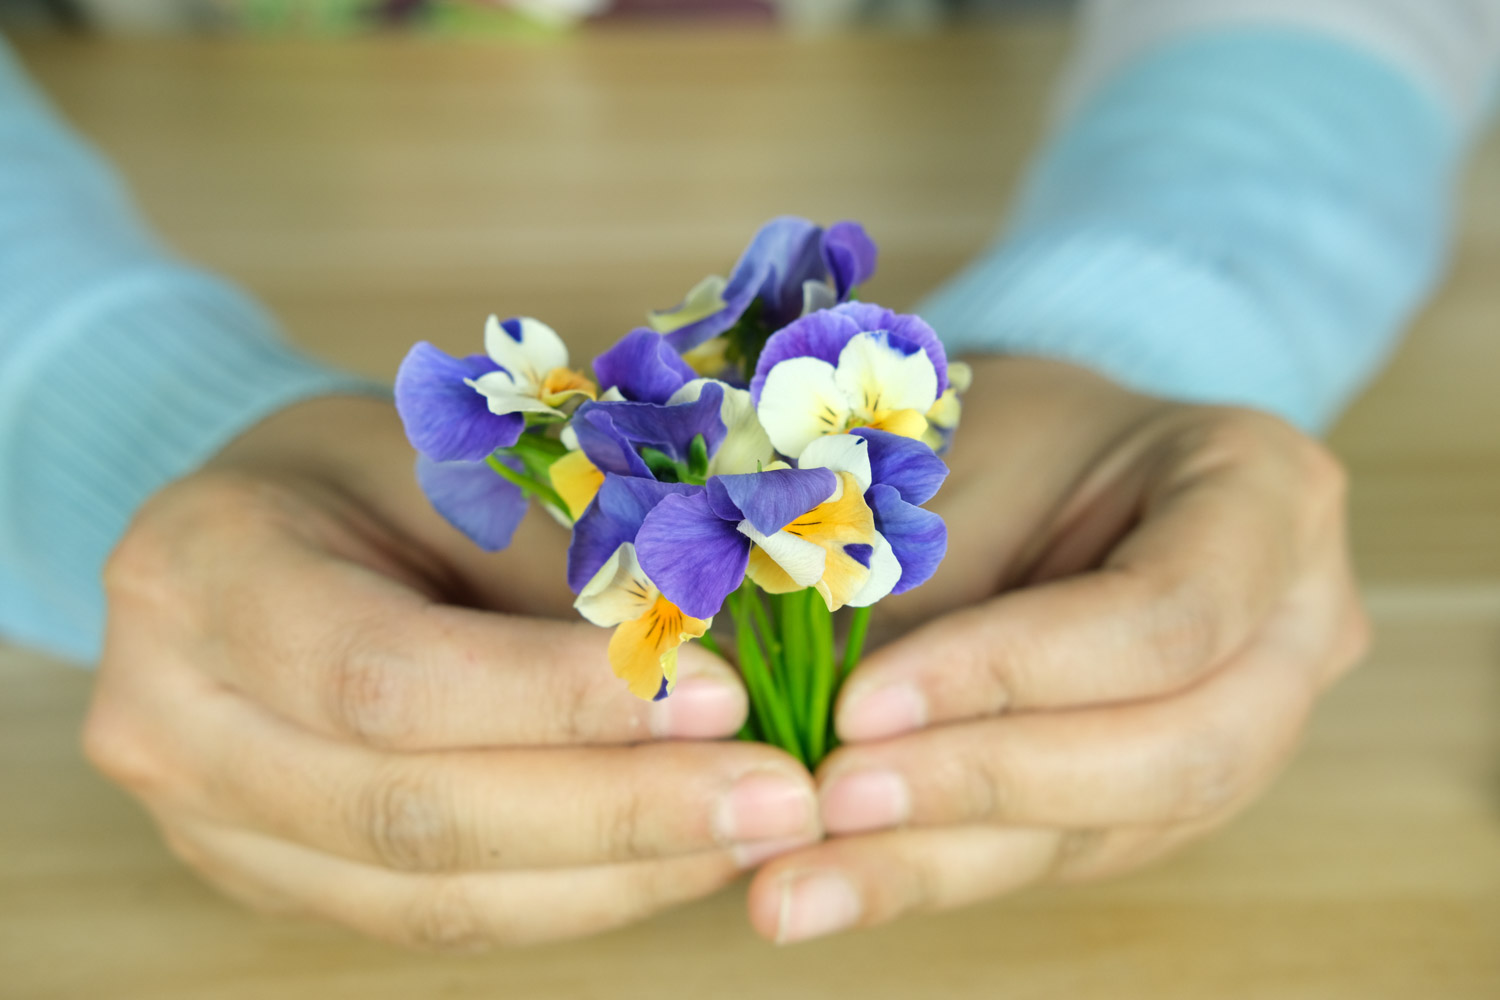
<point x="291" y="686"/>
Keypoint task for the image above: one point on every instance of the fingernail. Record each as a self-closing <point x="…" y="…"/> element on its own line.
<point x="765" y="806"/>
<point x="761" y="851"/>
<point x="699" y="708"/>
<point x="884" y="712"/>
<point x="814" y="905"/>
<point x="866" y="800"/>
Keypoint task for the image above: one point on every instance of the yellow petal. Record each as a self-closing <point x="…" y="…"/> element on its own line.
<point x="906" y="423"/>
<point x="843" y="520"/>
<point x="561" y="384"/>
<point x="709" y="358"/>
<point x="576" y="480"/>
<point x="843" y="576"/>
<point x="643" y="652"/>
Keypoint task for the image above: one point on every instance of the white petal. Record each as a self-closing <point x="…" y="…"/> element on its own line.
<point x="705" y="299"/>
<point x="876" y="376"/>
<point x="612" y="395"/>
<point x="885" y="573"/>
<point x="802" y="560"/>
<point x="801" y="401"/>
<point x="746" y="448"/>
<point x="842" y="453"/>
<point x="960" y="375"/>
<point x="504" y="396"/>
<point x="529" y="359"/>
<point x="619" y="592"/>
<point x="569" y="438"/>
<point x="818" y="295"/>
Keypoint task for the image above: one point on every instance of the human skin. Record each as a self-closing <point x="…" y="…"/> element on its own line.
<point x="1141" y="603"/>
<point x="333" y="704"/>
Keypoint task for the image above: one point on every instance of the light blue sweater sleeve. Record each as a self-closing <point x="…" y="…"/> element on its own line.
<point x="1243" y="216"/>
<point x="121" y="368"/>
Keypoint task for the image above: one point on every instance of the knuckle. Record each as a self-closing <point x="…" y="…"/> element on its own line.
<point x="1076" y="854"/>
<point x="118" y="748"/>
<point x="1234" y="435"/>
<point x="444" y="917"/>
<point x="373" y="692"/>
<point x="986" y="677"/>
<point x="1208" y="775"/>
<point x="983" y="790"/>
<point x="1184" y="630"/>
<point x="403" y="819"/>
<point x="623" y="832"/>
<point x="1323" y="470"/>
<point x="923" y="887"/>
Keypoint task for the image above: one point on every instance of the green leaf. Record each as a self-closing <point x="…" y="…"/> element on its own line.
<point x="698" y="458"/>
<point x="661" y="465"/>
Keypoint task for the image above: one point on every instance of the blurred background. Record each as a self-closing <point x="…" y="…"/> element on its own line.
<point x="475" y="16"/>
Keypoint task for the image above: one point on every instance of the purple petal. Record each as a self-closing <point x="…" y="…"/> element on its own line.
<point x="860" y="553"/>
<point x="918" y="537"/>
<point x="850" y="256"/>
<point x="668" y="429"/>
<point x="612" y="519"/>
<point x="821" y="334"/>
<point x="771" y="500"/>
<point x="694" y="557"/>
<point x="786" y="252"/>
<point x="445" y="419"/>
<point x="902" y="327"/>
<point x="644" y="367"/>
<point x="604" y="444"/>
<point x="906" y="464"/>
<point x="474" y="498"/>
<point x="783" y="254"/>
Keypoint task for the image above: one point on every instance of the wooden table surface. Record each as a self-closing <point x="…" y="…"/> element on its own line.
<point x="376" y="193"/>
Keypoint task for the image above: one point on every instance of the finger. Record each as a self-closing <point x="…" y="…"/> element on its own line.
<point x="863" y="881"/>
<point x="1218" y="545"/>
<point x="495" y="809"/>
<point x="348" y="652"/>
<point x="1172" y="760"/>
<point x="446" y="912"/>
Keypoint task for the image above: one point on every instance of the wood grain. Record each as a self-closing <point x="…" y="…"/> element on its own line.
<point x="377" y="192"/>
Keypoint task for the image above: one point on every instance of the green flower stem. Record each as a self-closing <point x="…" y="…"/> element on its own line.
<point x="529" y="485"/>
<point x="825" y="679"/>
<point x="539" y="444"/>
<point x="771" y="715"/>
<point x="793" y="618"/>
<point x="772" y="641"/>
<point x="854" y="646"/>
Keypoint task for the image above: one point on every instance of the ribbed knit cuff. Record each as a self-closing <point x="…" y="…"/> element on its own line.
<point x="132" y="385"/>
<point x="1246" y="217"/>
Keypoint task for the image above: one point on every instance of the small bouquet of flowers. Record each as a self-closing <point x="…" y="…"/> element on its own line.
<point x="765" y="446"/>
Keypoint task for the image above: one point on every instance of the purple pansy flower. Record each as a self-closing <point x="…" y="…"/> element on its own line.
<point x="856" y="365"/>
<point x="612" y="434"/>
<point x="792" y="265"/>
<point x="444" y="417"/>
<point x="613" y="518"/>
<point x="694" y="545"/>
<point x="904" y="474"/>
<point x="643" y="368"/>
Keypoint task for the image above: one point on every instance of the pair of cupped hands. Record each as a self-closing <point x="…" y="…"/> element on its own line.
<point x="333" y="704"/>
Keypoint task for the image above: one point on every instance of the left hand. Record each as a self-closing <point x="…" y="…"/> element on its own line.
<point x="1141" y="602"/>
